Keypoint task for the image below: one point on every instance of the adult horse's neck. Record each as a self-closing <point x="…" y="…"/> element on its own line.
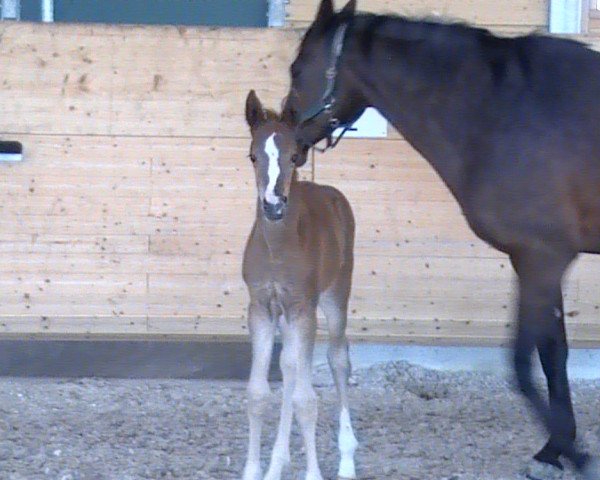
<point x="428" y="80"/>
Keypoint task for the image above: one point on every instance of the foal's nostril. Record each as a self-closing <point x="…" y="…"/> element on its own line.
<point x="281" y="201"/>
<point x="274" y="211"/>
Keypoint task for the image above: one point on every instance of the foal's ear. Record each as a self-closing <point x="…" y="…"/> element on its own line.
<point x="290" y="115"/>
<point x="325" y="12"/>
<point x="349" y="9"/>
<point x="255" y="114"/>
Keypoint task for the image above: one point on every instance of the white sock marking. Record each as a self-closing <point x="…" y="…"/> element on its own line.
<point x="347" y="444"/>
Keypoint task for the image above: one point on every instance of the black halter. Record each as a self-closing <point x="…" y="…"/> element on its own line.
<point x="328" y="99"/>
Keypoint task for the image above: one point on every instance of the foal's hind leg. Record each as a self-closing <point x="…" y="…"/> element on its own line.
<point x="541" y="325"/>
<point x="304" y="399"/>
<point x="335" y="307"/>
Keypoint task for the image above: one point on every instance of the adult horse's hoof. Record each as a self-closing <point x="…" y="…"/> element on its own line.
<point x="591" y="471"/>
<point x="543" y="471"/>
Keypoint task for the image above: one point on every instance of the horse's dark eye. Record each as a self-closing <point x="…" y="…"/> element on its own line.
<point x="252" y="157"/>
<point x="295" y="71"/>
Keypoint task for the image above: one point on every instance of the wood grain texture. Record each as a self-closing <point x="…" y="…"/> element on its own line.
<point x="127" y="80"/>
<point x="507" y="13"/>
<point x="129" y="214"/>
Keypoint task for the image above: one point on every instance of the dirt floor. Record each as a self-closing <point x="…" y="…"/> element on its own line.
<point x="412" y="424"/>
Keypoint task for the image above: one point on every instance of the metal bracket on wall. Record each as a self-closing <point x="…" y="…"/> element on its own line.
<point x="47" y="11"/>
<point x="11" y="151"/>
<point x="569" y="16"/>
<point x="276" y="13"/>
<point x="11" y="9"/>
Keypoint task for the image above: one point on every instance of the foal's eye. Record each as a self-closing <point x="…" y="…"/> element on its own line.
<point x="252" y="157"/>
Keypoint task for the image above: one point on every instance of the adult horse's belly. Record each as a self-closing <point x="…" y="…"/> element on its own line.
<point x="589" y="225"/>
<point x="584" y="193"/>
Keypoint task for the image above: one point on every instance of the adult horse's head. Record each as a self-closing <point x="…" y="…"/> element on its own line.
<point x="323" y="90"/>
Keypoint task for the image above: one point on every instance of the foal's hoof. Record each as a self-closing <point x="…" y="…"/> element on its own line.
<point x="252" y="472"/>
<point x="543" y="471"/>
<point x="591" y="471"/>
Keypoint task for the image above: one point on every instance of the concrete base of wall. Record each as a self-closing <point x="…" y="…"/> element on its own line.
<point x="584" y="363"/>
<point x="187" y="359"/>
<point x="126" y="359"/>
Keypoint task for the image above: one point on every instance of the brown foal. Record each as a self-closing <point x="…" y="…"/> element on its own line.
<point x="299" y="256"/>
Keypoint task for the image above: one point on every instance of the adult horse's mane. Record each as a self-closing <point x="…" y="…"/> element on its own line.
<point x="454" y="39"/>
<point x="398" y="27"/>
<point x="401" y="27"/>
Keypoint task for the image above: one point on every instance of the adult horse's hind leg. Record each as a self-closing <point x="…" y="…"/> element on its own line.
<point x="541" y="325"/>
<point x="335" y="307"/>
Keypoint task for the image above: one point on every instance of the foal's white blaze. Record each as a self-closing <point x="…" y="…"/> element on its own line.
<point x="347" y="444"/>
<point x="273" y="153"/>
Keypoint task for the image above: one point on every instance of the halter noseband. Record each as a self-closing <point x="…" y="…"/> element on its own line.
<point x="328" y="98"/>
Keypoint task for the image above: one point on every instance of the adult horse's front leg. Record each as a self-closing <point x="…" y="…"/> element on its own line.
<point x="553" y="352"/>
<point x="262" y="332"/>
<point x="541" y="326"/>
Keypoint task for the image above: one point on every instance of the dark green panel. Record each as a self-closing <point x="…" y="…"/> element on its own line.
<point x="31" y="10"/>
<point x="241" y="13"/>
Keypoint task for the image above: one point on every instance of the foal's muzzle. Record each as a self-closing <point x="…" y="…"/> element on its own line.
<point x="275" y="211"/>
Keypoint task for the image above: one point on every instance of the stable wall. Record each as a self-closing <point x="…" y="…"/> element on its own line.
<point x="128" y="215"/>
<point x="504" y="15"/>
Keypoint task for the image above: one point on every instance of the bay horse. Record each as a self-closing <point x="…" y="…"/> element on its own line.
<point x="510" y="125"/>
<point x="299" y="256"/>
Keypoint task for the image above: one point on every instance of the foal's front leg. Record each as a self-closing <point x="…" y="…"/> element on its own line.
<point x="280" y="457"/>
<point x="304" y="398"/>
<point x="262" y="332"/>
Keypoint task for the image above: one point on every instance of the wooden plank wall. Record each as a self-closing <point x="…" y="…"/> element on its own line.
<point x="129" y="213"/>
<point x="131" y="208"/>
<point x="594" y="23"/>
<point x="505" y="15"/>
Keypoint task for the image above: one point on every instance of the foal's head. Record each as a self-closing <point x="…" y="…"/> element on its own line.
<point x="323" y="91"/>
<point x="275" y="154"/>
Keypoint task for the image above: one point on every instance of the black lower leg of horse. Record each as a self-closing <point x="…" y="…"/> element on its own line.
<point x="553" y="352"/>
<point x="540" y="326"/>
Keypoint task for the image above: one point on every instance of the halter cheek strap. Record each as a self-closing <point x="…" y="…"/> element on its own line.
<point x="328" y="99"/>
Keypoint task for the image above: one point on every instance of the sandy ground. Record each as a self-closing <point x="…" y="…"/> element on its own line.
<point x="412" y="423"/>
